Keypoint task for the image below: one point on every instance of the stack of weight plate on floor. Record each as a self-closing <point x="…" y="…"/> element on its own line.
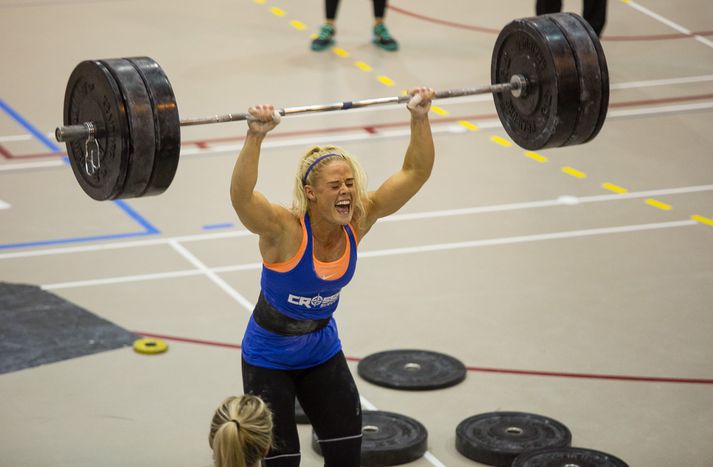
<point x="522" y="439"/>
<point x="137" y="142"/>
<point x="390" y="438"/>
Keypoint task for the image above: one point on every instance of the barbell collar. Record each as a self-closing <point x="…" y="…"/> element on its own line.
<point x="517" y="85"/>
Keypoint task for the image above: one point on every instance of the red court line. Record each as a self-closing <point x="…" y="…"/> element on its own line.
<point x="651" y="37"/>
<point x="372" y="129"/>
<point x="643" y="379"/>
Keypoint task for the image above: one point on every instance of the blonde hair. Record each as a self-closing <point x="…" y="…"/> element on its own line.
<point x="240" y="432"/>
<point x="300" y="202"/>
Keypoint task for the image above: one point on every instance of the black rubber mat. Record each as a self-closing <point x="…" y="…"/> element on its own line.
<point x="38" y="327"/>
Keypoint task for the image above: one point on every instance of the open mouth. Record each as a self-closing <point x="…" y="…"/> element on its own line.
<point x="343" y="207"/>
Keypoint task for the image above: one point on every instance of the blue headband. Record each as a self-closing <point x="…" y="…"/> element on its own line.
<point x="316" y="161"/>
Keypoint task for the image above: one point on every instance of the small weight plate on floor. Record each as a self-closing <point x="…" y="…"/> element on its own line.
<point x="412" y="369"/>
<point x="544" y="115"/>
<point x="141" y="126"/>
<point x="388" y="439"/>
<point x="150" y="345"/>
<point x="497" y="438"/>
<point x="567" y="457"/>
<point x="92" y="95"/>
<point x="300" y="415"/>
<point x="166" y="121"/>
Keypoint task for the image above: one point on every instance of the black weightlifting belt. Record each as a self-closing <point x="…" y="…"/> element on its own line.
<point x="269" y="318"/>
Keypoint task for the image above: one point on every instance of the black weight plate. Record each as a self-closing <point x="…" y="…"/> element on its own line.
<point x="567" y="457"/>
<point x="412" y="369"/>
<point x="92" y="95"/>
<point x="544" y="116"/>
<point x="497" y="438"/>
<point x="388" y="439"/>
<point x="300" y="415"/>
<point x="589" y="73"/>
<point x="141" y="126"/>
<point x="604" y="73"/>
<point x="167" y="124"/>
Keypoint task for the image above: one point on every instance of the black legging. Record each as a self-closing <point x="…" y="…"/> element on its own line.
<point x="594" y="11"/>
<point x="331" y="8"/>
<point x="329" y="398"/>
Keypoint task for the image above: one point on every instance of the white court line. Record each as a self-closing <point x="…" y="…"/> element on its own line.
<point x="4" y="205"/>
<point x="667" y="22"/>
<point x="212" y="276"/>
<point x="619" y="113"/>
<point x="662" y="82"/>
<point x="30" y="165"/>
<point x="392" y="218"/>
<point x="378" y="253"/>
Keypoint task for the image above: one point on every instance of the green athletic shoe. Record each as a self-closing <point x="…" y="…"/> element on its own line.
<point x="325" y="38"/>
<point x="383" y="39"/>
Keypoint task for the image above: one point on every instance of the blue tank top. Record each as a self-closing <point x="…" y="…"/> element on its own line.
<point x="299" y="294"/>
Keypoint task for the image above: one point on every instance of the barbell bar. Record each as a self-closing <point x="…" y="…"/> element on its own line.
<point x="550" y="87"/>
<point x="517" y="86"/>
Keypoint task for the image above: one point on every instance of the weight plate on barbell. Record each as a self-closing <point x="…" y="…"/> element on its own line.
<point x="141" y="126"/>
<point x="576" y="457"/>
<point x="590" y="77"/>
<point x="388" y="439"/>
<point x="92" y="95"/>
<point x="603" y="73"/>
<point x="412" y="369"/>
<point x="166" y="124"/>
<point x="497" y="438"/>
<point x="544" y="115"/>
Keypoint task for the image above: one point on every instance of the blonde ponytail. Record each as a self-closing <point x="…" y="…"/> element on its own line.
<point x="240" y="432"/>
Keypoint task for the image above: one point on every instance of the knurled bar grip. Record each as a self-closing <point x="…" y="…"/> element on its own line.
<point x="517" y="85"/>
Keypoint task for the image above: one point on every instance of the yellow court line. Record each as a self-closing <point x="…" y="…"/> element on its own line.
<point x="277" y="11"/>
<point x="340" y="52"/>
<point x="702" y="220"/>
<point x="573" y="172"/>
<point x="501" y="141"/>
<point x="362" y="66"/>
<point x="536" y="157"/>
<point x="614" y="188"/>
<point x="468" y="125"/>
<point x="659" y="204"/>
<point x="385" y="80"/>
<point x="299" y="25"/>
<point x="439" y="110"/>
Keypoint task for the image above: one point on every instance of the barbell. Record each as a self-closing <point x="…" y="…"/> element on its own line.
<point x="550" y="86"/>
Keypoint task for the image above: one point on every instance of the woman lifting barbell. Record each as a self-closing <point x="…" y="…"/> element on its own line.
<point x="291" y="345"/>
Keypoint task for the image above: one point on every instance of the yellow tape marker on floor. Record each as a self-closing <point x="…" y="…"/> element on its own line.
<point x="340" y="52"/>
<point x="468" y="125"/>
<point x="573" y="172"/>
<point x="659" y="204"/>
<point x="362" y="66"/>
<point x="277" y="11"/>
<point x="299" y="25"/>
<point x="260" y="2"/>
<point x="500" y="141"/>
<point x="614" y="188"/>
<point x="536" y="157"/>
<point x="385" y="80"/>
<point x="702" y="220"/>
<point x="439" y="110"/>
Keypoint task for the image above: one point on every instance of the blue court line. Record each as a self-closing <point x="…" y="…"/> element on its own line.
<point x="149" y="228"/>
<point x="226" y="225"/>
<point x="34" y="131"/>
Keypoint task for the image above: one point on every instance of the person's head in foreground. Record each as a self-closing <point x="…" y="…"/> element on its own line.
<point x="240" y="432"/>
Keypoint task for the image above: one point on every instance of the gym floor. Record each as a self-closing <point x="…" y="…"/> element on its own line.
<point x="574" y="283"/>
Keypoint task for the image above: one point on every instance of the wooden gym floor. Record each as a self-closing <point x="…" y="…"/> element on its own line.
<point x="562" y="296"/>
